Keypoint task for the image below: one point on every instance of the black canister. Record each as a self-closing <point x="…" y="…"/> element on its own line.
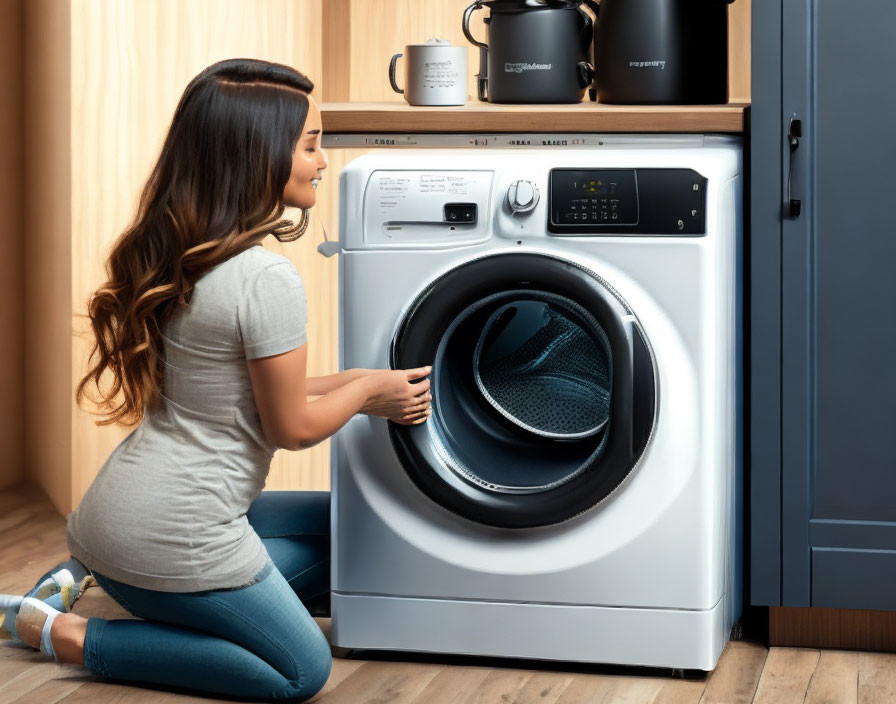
<point x="661" y="52"/>
<point x="538" y="51"/>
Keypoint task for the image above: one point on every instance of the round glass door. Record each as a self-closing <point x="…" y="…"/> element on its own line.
<point x="543" y="390"/>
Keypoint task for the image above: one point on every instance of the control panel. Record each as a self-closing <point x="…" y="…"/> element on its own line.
<point x="425" y="208"/>
<point x="626" y="201"/>
<point x="605" y="196"/>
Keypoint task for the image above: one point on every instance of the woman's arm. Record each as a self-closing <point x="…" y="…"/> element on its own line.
<point x="320" y="385"/>
<point x="289" y="420"/>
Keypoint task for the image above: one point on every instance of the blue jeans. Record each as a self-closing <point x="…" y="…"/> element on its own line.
<point x="257" y="641"/>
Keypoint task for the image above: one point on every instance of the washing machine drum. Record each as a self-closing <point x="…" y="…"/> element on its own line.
<point x="543" y="390"/>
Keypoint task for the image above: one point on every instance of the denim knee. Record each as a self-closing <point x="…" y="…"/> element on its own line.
<point x="316" y="666"/>
<point x="318" y="672"/>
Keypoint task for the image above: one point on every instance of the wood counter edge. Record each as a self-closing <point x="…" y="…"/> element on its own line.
<point x="580" y="117"/>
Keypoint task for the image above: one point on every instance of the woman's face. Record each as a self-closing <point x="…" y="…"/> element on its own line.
<point x="308" y="161"/>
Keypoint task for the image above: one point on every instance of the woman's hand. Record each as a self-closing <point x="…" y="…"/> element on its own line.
<point x="393" y="396"/>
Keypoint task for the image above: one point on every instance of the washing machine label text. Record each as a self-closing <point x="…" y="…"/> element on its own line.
<point x="432" y="183"/>
<point x="392" y="184"/>
<point x="392" y="191"/>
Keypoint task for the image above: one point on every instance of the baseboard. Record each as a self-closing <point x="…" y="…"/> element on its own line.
<point x="844" y="629"/>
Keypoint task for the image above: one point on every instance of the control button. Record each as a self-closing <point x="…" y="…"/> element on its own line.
<point x="681" y="224"/>
<point x="693" y="213"/>
<point x="522" y="196"/>
<point x="460" y="212"/>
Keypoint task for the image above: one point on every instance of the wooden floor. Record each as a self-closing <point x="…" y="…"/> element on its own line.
<point x="32" y="539"/>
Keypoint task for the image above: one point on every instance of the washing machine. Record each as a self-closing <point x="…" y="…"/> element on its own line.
<point x="575" y="494"/>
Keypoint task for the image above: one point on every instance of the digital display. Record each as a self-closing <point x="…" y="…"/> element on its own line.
<point x="594" y="197"/>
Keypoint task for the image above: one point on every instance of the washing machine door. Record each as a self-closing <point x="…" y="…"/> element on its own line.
<point x="543" y="390"/>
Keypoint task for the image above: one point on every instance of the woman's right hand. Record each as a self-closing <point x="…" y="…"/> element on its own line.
<point x="393" y="396"/>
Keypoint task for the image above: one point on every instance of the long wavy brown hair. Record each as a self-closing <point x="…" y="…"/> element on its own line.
<point x="216" y="190"/>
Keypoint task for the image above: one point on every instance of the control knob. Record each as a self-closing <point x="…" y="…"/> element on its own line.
<point x="522" y="196"/>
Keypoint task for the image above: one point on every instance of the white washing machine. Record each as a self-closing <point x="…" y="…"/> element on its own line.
<point x="575" y="494"/>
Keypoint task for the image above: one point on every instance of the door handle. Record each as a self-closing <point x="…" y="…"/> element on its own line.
<point x="794" y="134"/>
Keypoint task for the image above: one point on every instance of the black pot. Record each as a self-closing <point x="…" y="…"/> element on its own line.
<point x="660" y="52"/>
<point x="536" y="53"/>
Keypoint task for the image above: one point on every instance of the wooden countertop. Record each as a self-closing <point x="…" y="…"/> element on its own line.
<point x="398" y="116"/>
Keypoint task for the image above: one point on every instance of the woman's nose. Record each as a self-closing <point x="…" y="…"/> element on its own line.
<point x="323" y="160"/>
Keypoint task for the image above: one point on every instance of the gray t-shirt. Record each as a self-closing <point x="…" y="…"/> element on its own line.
<point x="167" y="511"/>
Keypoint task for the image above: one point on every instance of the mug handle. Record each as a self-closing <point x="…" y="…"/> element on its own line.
<point x="392" y="73"/>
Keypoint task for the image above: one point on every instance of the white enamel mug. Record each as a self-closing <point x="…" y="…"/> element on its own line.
<point x="435" y="73"/>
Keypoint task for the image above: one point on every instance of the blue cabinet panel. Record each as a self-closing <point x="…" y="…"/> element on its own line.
<point x="854" y="241"/>
<point x="836" y="390"/>
<point x="763" y="314"/>
<point x="853" y="579"/>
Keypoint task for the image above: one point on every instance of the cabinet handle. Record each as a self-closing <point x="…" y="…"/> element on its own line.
<point x="794" y="133"/>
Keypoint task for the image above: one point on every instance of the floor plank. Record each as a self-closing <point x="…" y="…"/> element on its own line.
<point x="680" y="692"/>
<point x="835" y="680"/>
<point x="736" y="677"/>
<point x="453" y="684"/>
<point x="877" y="678"/>
<point x="341" y="669"/>
<point x="545" y="687"/>
<point x="36" y="672"/>
<point x="786" y="675"/>
<point x="632" y="690"/>
<point x="383" y="683"/>
<point x="114" y="693"/>
<point x="52" y="691"/>
<point x="501" y="685"/>
<point x="592" y="689"/>
<point x="13" y="661"/>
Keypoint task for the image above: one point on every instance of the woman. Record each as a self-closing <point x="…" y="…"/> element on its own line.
<point x="203" y="332"/>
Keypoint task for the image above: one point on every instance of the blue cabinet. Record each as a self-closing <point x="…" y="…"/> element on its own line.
<point x="823" y="304"/>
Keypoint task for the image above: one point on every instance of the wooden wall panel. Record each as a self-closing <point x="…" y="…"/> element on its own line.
<point x="48" y="291"/>
<point x="130" y="63"/>
<point x="381" y="28"/>
<point x="739" y="51"/>
<point x="337" y="32"/>
<point x="12" y="342"/>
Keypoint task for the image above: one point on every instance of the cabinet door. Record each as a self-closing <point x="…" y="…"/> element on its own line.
<point x="838" y="306"/>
